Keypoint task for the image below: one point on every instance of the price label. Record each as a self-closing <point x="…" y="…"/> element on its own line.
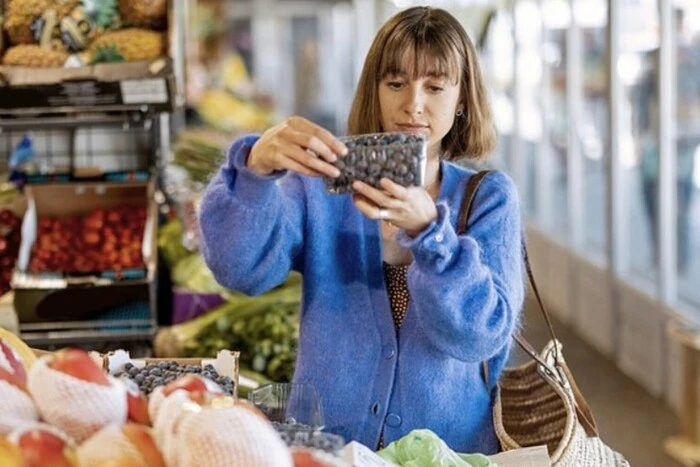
<point x="144" y="91"/>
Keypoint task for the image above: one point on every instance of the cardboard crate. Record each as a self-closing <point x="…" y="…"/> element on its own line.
<point x="225" y="363"/>
<point x="107" y="86"/>
<point x="64" y="200"/>
<point x="53" y="297"/>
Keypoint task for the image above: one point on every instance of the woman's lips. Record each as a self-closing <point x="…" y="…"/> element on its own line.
<point x="412" y="127"/>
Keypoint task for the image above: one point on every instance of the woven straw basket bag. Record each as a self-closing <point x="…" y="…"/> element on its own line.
<point x="539" y="403"/>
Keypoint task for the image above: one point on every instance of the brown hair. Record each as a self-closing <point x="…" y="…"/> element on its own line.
<point x="433" y="34"/>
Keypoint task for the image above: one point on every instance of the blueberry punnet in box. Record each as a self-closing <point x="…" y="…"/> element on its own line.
<point x="399" y="157"/>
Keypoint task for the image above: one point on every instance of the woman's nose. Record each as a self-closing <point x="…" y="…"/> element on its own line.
<point x="414" y="100"/>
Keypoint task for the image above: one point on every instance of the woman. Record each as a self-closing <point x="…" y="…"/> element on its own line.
<point x="397" y="315"/>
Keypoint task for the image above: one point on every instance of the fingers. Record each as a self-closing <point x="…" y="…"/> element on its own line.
<point x="394" y="189"/>
<point x="319" y="140"/>
<point x="369" y="208"/>
<point x="378" y="197"/>
<point x="313" y="143"/>
<point x="300" y="157"/>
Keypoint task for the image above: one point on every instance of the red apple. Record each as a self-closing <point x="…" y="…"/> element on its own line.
<point x="42" y="448"/>
<point x="137" y="405"/>
<point x="77" y="363"/>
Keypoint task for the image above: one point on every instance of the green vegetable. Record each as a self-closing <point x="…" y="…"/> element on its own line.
<point x="423" y="448"/>
<point x="170" y="242"/>
<point x="264" y="329"/>
<point x="193" y="274"/>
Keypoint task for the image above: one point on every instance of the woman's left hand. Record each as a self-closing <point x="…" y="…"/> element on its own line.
<point x="408" y="208"/>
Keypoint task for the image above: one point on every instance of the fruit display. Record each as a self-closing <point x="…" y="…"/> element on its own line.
<point x="32" y="55"/>
<point x="20" y="15"/>
<point x="79" y="417"/>
<point x="10" y="237"/>
<point x="397" y="156"/>
<point x="56" y="33"/>
<point x="148" y="13"/>
<point x="104" y="239"/>
<point x="227" y="112"/>
<point x="41" y="444"/>
<point x="130" y="444"/>
<point x="74" y="394"/>
<point x="162" y="373"/>
<point x="128" y="45"/>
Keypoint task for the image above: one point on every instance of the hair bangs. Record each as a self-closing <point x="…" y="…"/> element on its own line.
<point x="416" y="52"/>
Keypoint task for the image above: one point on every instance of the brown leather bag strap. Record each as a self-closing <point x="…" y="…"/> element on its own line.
<point x="585" y="416"/>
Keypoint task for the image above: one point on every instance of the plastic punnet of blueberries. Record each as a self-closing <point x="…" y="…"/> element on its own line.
<point x="399" y="157"/>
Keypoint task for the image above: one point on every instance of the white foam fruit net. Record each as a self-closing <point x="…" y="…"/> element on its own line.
<point x="16" y="406"/>
<point x="170" y="414"/>
<point x="230" y="437"/>
<point x="80" y="408"/>
<point x="154" y="400"/>
<point x="109" y="445"/>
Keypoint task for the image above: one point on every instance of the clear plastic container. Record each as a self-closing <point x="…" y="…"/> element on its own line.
<point x="290" y="404"/>
<point x="400" y="157"/>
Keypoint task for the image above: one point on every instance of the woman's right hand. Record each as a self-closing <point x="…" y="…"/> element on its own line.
<point x="297" y="145"/>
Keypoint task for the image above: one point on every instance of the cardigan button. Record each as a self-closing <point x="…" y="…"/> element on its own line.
<point x="393" y="420"/>
<point x="389" y="351"/>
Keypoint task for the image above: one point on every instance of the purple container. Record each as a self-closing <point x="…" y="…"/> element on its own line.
<point x="189" y="305"/>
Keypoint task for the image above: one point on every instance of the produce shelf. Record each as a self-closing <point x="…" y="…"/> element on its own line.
<point x="128" y="322"/>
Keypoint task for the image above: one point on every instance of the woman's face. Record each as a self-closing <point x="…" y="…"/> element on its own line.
<point x="425" y="105"/>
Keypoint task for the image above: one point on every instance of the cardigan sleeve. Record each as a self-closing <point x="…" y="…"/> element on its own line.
<point x="468" y="289"/>
<point x="251" y="226"/>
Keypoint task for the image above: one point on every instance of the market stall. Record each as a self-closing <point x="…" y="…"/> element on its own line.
<point x="79" y="409"/>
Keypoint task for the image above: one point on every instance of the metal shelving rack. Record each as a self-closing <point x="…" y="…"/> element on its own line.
<point x="80" y="134"/>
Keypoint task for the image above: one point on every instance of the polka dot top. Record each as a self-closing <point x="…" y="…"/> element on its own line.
<point x="396" y="278"/>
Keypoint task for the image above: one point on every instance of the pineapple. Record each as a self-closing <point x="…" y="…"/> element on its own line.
<point x="131" y="43"/>
<point x="147" y="13"/>
<point x="85" y="23"/>
<point x="106" y="54"/>
<point x="20" y="14"/>
<point x="32" y="55"/>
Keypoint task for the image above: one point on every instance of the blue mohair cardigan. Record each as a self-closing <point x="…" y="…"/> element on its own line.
<point x="466" y="297"/>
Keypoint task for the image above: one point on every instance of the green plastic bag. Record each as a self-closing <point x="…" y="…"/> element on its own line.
<point x="423" y="448"/>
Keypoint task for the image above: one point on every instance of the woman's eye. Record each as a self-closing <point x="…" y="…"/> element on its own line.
<point x="394" y="85"/>
<point x="436" y="89"/>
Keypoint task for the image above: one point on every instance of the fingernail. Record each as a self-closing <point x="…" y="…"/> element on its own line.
<point x="336" y="173"/>
<point x="344" y="151"/>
